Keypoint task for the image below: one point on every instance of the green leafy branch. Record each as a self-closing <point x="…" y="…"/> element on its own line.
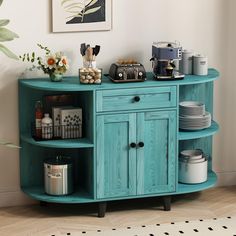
<point x="79" y="8"/>
<point x="6" y="35"/>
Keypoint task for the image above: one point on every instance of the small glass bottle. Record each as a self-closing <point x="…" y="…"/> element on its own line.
<point x="38" y="119"/>
<point x="47" y="127"/>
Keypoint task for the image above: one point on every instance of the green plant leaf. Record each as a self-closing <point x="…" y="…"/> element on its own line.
<point x="92" y="3"/>
<point x="8" y="53"/>
<point x="1" y="2"/>
<point x="92" y="10"/>
<point x="64" y="1"/>
<point x="4" y="22"/>
<point x="10" y="145"/>
<point x="7" y="35"/>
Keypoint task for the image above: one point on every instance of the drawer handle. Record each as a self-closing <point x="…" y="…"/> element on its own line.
<point x="141" y="144"/>
<point x="136" y="98"/>
<point x="133" y="145"/>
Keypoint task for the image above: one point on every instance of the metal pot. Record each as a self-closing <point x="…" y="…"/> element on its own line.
<point x="58" y="176"/>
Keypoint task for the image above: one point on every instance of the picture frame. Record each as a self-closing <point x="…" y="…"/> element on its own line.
<point x="81" y="15"/>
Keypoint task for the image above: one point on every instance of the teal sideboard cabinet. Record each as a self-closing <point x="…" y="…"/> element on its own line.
<point x="130" y="142"/>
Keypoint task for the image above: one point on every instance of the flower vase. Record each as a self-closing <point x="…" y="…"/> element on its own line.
<point x="56" y="77"/>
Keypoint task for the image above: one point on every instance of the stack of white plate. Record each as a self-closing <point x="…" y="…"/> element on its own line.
<point x="192" y="116"/>
<point x="192" y="167"/>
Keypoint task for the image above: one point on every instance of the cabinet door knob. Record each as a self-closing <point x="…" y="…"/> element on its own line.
<point x="136" y="98"/>
<point x="141" y="144"/>
<point x="133" y="145"/>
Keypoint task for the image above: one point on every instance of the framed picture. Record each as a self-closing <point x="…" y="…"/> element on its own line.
<point x="81" y="15"/>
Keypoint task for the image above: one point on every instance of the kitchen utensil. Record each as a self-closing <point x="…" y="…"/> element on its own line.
<point x="82" y="49"/>
<point x="120" y="73"/>
<point x="58" y="176"/>
<point x="186" y="64"/>
<point x="163" y="56"/>
<point x="193" y="173"/>
<point x="200" y="65"/>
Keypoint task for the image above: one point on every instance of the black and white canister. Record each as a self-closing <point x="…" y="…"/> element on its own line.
<point x="200" y="65"/>
<point x="186" y="64"/>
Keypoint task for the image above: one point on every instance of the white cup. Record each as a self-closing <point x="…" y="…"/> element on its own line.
<point x="200" y="65"/>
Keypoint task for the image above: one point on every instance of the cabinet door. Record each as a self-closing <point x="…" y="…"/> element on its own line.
<point x="156" y="161"/>
<point x="116" y="160"/>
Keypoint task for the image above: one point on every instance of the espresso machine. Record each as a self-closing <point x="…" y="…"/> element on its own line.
<point x="164" y="55"/>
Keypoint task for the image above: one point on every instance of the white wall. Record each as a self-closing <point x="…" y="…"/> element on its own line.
<point x="198" y="24"/>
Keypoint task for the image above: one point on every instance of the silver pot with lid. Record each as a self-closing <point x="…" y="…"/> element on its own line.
<point x="58" y="176"/>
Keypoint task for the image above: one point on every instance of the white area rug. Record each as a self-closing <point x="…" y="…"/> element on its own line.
<point x="215" y="227"/>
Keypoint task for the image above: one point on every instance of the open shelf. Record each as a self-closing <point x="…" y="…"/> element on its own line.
<point x="189" y="188"/>
<point x="186" y="135"/>
<point x="37" y="193"/>
<point x="61" y="143"/>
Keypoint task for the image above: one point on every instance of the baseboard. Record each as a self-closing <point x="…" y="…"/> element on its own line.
<point x="226" y="178"/>
<point x="14" y="198"/>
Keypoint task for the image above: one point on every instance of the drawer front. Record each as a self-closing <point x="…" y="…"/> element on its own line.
<point x="138" y="98"/>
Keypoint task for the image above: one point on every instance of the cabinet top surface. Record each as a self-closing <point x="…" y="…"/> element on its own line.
<point x="72" y="83"/>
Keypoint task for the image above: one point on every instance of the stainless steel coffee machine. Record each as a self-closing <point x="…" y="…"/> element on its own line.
<point x="164" y="55"/>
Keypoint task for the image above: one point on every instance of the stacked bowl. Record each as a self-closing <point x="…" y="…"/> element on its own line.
<point x="192" y="116"/>
<point x="192" y="167"/>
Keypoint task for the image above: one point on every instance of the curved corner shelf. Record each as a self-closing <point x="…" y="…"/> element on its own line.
<point x="186" y="135"/>
<point x="62" y="143"/>
<point x="39" y="194"/>
<point x="189" y="188"/>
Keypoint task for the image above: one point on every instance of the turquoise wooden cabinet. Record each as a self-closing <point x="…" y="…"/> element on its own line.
<point x="130" y="142"/>
<point x="137" y="153"/>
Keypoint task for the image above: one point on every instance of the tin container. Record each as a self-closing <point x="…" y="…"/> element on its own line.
<point x="200" y="65"/>
<point x="58" y="176"/>
<point x="186" y="64"/>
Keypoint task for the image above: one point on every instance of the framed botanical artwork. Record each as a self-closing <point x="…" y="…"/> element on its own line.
<point x="81" y="15"/>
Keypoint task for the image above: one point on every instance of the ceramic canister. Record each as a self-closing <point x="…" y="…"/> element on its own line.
<point x="186" y="64"/>
<point x="200" y="65"/>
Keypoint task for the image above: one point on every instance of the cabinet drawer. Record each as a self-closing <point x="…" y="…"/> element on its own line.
<point x="138" y="98"/>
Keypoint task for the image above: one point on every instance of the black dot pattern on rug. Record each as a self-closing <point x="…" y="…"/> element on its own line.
<point x="128" y="227"/>
<point x="166" y="233"/>
<point x="172" y="223"/>
<point x="195" y="230"/>
<point x="229" y="217"/>
<point x="210" y="228"/>
<point x="113" y="229"/>
<point x="214" y="218"/>
<point x="224" y="227"/>
<point x="157" y="224"/>
<point x="200" y="220"/>
<point x="186" y="221"/>
<point x="84" y="232"/>
<point x="143" y="226"/>
<point x="99" y="230"/>
<point x="151" y="235"/>
<point x="68" y="234"/>
<point x="181" y="232"/>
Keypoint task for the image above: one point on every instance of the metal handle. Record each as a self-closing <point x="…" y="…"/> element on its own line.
<point x="133" y="145"/>
<point x="136" y="98"/>
<point x="141" y="144"/>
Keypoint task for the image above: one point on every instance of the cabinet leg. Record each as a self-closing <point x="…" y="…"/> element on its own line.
<point x="102" y="206"/>
<point x="167" y="203"/>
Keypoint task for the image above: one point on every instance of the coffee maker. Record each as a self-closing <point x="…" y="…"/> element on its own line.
<point x="164" y="55"/>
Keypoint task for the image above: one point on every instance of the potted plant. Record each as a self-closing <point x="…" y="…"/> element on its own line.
<point x="53" y="64"/>
<point x="6" y="35"/>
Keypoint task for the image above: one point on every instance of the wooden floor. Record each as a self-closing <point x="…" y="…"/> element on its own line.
<point x="31" y="220"/>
